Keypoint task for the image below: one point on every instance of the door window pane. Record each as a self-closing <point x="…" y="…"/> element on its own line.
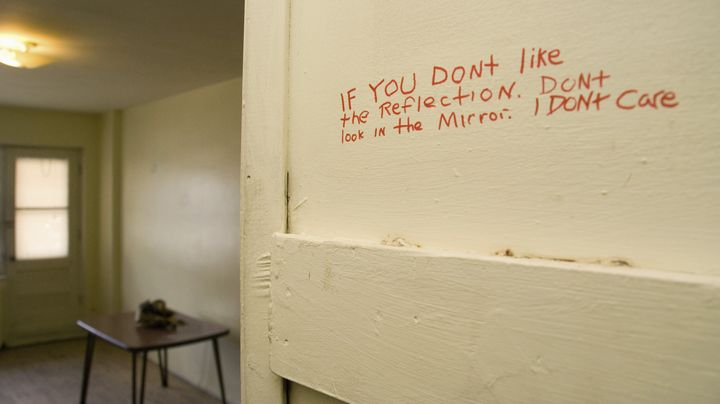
<point x="41" y="183"/>
<point x="41" y="233"/>
<point x="41" y="208"/>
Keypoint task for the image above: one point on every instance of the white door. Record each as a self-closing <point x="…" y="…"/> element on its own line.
<point x="41" y="243"/>
<point x="441" y="320"/>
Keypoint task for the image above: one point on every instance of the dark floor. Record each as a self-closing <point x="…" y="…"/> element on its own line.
<point x="52" y="373"/>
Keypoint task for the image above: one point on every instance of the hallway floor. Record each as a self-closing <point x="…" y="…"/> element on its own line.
<point x="51" y="374"/>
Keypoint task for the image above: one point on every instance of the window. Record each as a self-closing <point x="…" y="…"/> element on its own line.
<point x="41" y="208"/>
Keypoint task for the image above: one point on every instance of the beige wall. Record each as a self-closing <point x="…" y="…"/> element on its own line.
<point x="180" y="199"/>
<point x="46" y="128"/>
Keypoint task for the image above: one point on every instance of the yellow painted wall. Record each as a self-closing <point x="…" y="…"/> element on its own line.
<point x="180" y="204"/>
<point x="47" y="128"/>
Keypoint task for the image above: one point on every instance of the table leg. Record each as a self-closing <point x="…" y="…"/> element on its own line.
<point x="134" y="362"/>
<point x="163" y="364"/>
<point x="219" y="369"/>
<point x="142" y="380"/>
<point x="89" y="348"/>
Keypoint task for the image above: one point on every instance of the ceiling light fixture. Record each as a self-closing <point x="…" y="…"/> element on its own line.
<point x="11" y="49"/>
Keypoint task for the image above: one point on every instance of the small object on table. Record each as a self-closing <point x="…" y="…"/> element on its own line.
<point x="155" y="314"/>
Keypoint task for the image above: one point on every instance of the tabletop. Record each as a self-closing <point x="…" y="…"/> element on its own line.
<point x="121" y="330"/>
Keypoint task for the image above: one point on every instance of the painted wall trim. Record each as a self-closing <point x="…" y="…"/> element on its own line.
<point x="369" y="323"/>
<point x="110" y="274"/>
<point x="263" y="203"/>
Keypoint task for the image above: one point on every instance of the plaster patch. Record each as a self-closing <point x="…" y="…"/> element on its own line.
<point x="393" y="241"/>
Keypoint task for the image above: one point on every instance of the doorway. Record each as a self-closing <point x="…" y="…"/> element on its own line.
<point x="41" y="243"/>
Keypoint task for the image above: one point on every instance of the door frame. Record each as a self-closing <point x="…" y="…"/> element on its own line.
<point x="263" y="168"/>
<point x="74" y="260"/>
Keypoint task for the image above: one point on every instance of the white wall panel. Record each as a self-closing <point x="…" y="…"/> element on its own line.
<point x="642" y="185"/>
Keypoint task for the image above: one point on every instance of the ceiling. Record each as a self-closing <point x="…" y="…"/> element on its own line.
<point x="111" y="54"/>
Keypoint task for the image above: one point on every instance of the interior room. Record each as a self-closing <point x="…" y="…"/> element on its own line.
<point x="377" y="201"/>
<point x="142" y="103"/>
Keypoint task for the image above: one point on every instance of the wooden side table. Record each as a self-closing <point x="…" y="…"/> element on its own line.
<point x="122" y="331"/>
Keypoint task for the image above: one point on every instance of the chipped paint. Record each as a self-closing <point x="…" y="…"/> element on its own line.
<point x="395" y="241"/>
<point x="608" y="261"/>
